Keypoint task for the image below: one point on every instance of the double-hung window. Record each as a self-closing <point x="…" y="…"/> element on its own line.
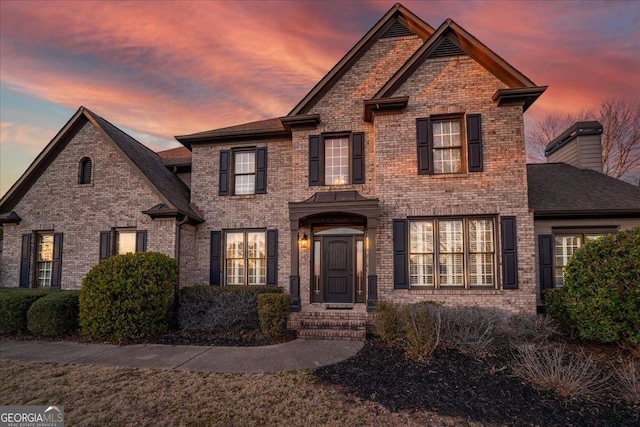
<point x="336" y="159"/>
<point x="243" y="171"/>
<point x="44" y="260"/>
<point x="450" y="144"/>
<point x="119" y="241"/>
<point x="565" y="246"/>
<point x="245" y="257"/>
<point x="452" y="253"/>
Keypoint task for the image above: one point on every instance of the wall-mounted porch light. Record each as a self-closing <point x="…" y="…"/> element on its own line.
<point x="304" y="241"/>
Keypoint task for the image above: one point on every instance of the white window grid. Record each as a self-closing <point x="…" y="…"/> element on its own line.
<point x="246" y="260"/>
<point x="447" y="147"/>
<point x="45" y="259"/>
<point x="244" y="172"/>
<point x="565" y="246"/>
<point x="481" y="252"/>
<point x="336" y="161"/>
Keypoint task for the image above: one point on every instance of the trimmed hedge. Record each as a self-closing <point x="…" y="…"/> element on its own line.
<point x="273" y="311"/>
<point x="602" y="289"/>
<point x="128" y="297"/>
<point x="55" y="314"/>
<point x="14" y="305"/>
<point x="221" y="308"/>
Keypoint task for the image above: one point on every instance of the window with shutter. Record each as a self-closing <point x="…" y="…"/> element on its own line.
<point x="444" y="148"/>
<point x="85" y="171"/>
<point x="243" y="171"/>
<point x="336" y="159"/>
<point x="250" y="257"/>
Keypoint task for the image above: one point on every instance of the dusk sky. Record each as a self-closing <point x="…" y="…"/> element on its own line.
<point x="162" y="68"/>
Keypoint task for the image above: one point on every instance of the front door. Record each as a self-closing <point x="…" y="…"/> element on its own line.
<point x="337" y="271"/>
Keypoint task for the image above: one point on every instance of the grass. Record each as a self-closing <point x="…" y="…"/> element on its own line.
<point x="107" y="396"/>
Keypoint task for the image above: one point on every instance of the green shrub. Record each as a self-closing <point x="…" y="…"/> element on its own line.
<point x="273" y="310"/>
<point x="221" y="308"/>
<point x="14" y="305"/>
<point x="415" y="328"/>
<point x="55" y="314"/>
<point x="602" y="289"/>
<point x="555" y="307"/>
<point x="128" y="297"/>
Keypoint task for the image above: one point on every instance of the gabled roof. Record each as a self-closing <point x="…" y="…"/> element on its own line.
<point x="175" y="153"/>
<point x="397" y="16"/>
<point x="560" y="190"/>
<point x="169" y="188"/>
<point x="451" y="38"/>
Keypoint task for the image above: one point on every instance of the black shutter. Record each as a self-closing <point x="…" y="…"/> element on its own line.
<point x="509" y="253"/>
<point x="56" y="268"/>
<point x="272" y="257"/>
<point x="400" y="261"/>
<point x="223" y="188"/>
<point x="357" y="158"/>
<point x="261" y="170"/>
<point x="105" y="245"/>
<point x="545" y="249"/>
<point x="25" y="261"/>
<point x="315" y="160"/>
<point x="474" y="141"/>
<point x="214" y="262"/>
<point x="141" y="241"/>
<point x="423" y="133"/>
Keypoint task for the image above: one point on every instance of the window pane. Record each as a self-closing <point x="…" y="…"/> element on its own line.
<point x="45" y="247"/>
<point x="235" y="271"/>
<point x="480" y="269"/>
<point x="336" y="161"/>
<point x="44" y="273"/>
<point x="235" y="245"/>
<point x="245" y="162"/>
<point x="565" y="246"/>
<point x="450" y="234"/>
<point x="256" y="245"/>
<point x="451" y="270"/>
<point x="245" y="184"/>
<point x="421" y="270"/>
<point x="421" y="237"/>
<point x="446" y="134"/>
<point x="125" y="242"/>
<point x="447" y="161"/>
<point x="481" y="235"/>
<point x="257" y="273"/>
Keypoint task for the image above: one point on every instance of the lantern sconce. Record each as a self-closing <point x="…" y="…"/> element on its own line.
<point x="304" y="241"/>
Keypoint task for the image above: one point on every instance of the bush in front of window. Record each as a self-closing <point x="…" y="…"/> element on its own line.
<point x="415" y="328"/>
<point x="14" y="305"/>
<point x="555" y="307"/>
<point x="602" y="289"/>
<point x="273" y="311"/>
<point x="128" y="297"/>
<point x="55" y="314"/>
<point x="221" y="308"/>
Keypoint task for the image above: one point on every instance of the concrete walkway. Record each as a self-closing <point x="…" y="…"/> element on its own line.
<point x="290" y="356"/>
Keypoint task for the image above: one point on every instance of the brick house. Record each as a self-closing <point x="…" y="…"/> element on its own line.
<point x="400" y="176"/>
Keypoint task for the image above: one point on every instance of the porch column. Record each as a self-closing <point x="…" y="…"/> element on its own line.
<point x="294" y="278"/>
<point x="372" y="277"/>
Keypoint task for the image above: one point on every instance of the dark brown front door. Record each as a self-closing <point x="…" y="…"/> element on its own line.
<point x="338" y="269"/>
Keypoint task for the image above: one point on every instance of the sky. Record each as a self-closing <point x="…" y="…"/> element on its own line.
<point x="162" y="68"/>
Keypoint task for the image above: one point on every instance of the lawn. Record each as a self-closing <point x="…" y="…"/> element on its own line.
<point x="377" y="387"/>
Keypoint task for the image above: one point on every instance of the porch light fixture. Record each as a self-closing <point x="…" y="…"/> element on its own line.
<point x="304" y="242"/>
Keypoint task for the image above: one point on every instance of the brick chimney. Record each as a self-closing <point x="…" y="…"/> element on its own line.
<point x="579" y="146"/>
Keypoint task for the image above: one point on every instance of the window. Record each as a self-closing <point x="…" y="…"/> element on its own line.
<point x="120" y="241"/>
<point x="243" y="171"/>
<point x="125" y="242"/>
<point x="447" y="147"/>
<point x="565" y="246"/>
<point x="245" y="258"/>
<point x="85" y="171"/>
<point x="336" y="159"/>
<point x="442" y="146"/>
<point x="44" y="260"/>
<point x="452" y="253"/>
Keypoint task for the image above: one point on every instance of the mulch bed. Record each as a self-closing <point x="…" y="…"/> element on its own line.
<point x="482" y="390"/>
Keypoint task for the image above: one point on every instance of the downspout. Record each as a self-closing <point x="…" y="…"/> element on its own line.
<point x="176" y="293"/>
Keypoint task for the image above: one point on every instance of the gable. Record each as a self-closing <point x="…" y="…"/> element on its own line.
<point x="397" y="22"/>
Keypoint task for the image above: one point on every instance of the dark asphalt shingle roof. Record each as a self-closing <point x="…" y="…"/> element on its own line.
<point x="559" y="188"/>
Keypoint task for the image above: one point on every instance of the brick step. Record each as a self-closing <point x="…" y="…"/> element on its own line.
<point x="333" y="334"/>
<point x="330" y="323"/>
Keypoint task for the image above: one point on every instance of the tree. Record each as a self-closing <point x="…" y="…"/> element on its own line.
<point x="620" y="120"/>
